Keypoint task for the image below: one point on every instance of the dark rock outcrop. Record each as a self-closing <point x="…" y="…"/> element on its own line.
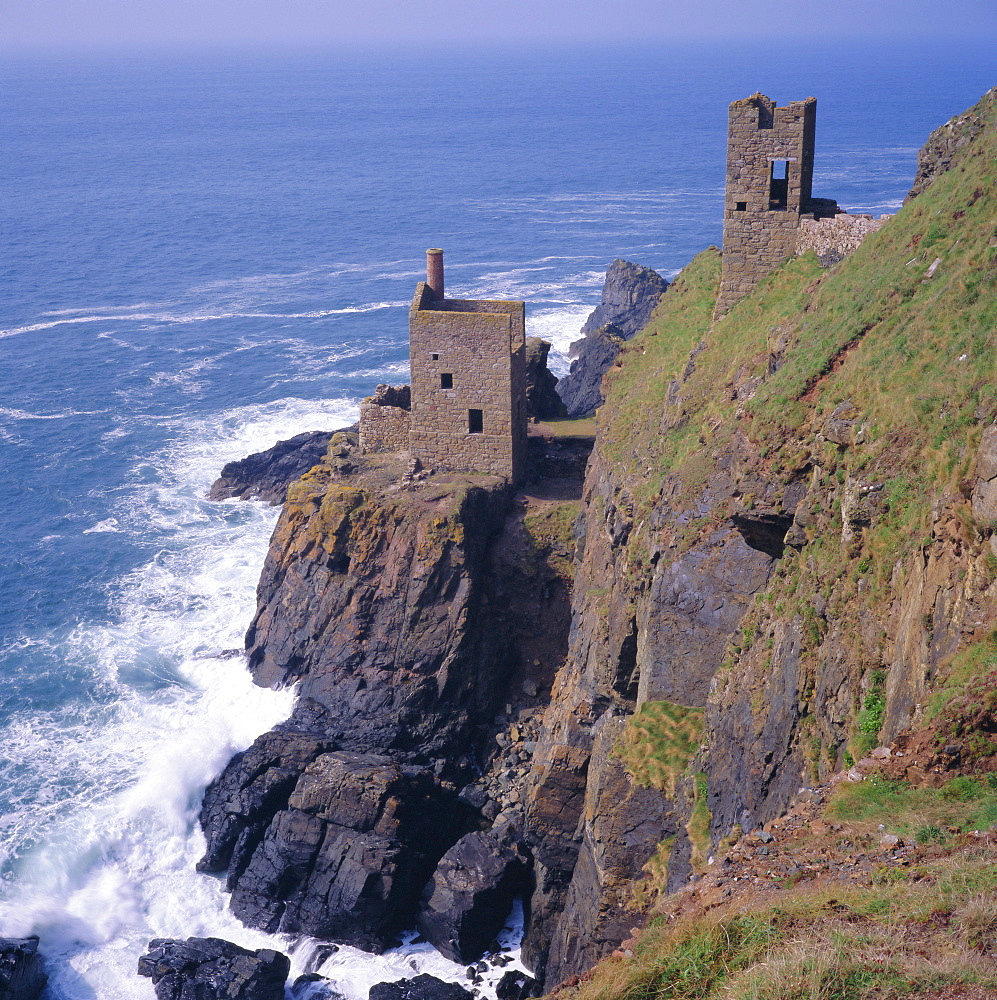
<point x="347" y="858"/>
<point x="240" y="803"/>
<point x="213" y="969"/>
<point x="516" y="985"/>
<point x="470" y="895"/>
<point x="628" y="298"/>
<point x="542" y="400"/>
<point x="266" y="475"/>
<point x="21" y="974"/>
<point x="581" y="388"/>
<point x="372" y="600"/>
<point x="424" y="987"/>
<point x="375" y="600"/>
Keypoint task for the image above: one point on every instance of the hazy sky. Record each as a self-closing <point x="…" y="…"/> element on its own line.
<point x="140" y="23"/>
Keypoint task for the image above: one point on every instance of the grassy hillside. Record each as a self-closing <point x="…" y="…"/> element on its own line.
<point x="869" y="386"/>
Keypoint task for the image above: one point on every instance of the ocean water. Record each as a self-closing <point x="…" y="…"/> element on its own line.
<point x="206" y="252"/>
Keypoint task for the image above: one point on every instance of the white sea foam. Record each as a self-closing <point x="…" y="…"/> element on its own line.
<point x="352" y="972"/>
<point x="100" y="849"/>
<point x="109" y="524"/>
<point x="559" y="326"/>
<point x="183" y="318"/>
<point x="14" y="414"/>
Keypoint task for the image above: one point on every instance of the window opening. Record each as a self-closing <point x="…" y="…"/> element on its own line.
<point x="779" y="186"/>
<point x="436" y="357"/>
<point x="475" y="422"/>
<point x="446" y="380"/>
<point x="742" y="206"/>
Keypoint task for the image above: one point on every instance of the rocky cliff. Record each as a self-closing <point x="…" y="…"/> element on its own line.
<point x="782" y="556"/>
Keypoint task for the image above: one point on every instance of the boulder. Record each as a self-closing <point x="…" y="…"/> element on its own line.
<point x="840" y="426"/>
<point x="542" y="400"/>
<point x="465" y="904"/>
<point x="347" y="858"/>
<point x="265" y="475"/>
<point x="312" y="986"/>
<point x="516" y="985"/>
<point x="209" y="968"/>
<point x="424" y="987"/>
<point x="628" y="298"/>
<point x="21" y="973"/>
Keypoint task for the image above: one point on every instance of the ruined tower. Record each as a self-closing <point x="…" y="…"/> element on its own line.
<point x="466" y="411"/>
<point x="770" y="161"/>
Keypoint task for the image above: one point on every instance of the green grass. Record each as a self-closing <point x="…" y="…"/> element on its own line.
<point x="698" y="826"/>
<point x="913" y="354"/>
<point x="902" y="936"/>
<point x="550" y="532"/>
<point x="580" y="427"/>
<point x="658" y="743"/>
<point x="965" y="803"/>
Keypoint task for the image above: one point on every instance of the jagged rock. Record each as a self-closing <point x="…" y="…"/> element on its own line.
<point x="622" y="827"/>
<point x="628" y="298"/>
<point x="348" y="856"/>
<point x="22" y="976"/>
<point x="239" y="804"/>
<point x="581" y="388"/>
<point x="985" y="490"/>
<point x="696" y="602"/>
<point x="542" y="400"/>
<point x="838" y="427"/>
<point x="213" y="969"/>
<point x="935" y="156"/>
<point x="266" y="475"/>
<point x="515" y="985"/>
<point x="424" y="987"/>
<point x="470" y="895"/>
<point x="312" y="986"/>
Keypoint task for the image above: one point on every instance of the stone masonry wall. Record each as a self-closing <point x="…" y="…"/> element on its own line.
<point x="760" y="231"/>
<point x="383" y="428"/>
<point x="833" y="239"/>
<point x="481" y="346"/>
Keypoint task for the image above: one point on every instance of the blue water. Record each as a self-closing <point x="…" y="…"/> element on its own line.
<point x="204" y="254"/>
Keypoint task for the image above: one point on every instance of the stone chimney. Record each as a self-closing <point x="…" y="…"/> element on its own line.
<point x="434" y="272"/>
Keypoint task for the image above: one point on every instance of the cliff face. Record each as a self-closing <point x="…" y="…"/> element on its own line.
<point x="371" y="599"/>
<point x="783" y="555"/>
<point x="786" y="546"/>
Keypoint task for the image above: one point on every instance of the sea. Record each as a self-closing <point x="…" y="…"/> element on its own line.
<point x="206" y="251"/>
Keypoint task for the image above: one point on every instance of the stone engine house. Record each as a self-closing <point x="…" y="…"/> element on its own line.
<point x="466" y="409"/>
<point x="770" y="164"/>
<point x="769" y="211"/>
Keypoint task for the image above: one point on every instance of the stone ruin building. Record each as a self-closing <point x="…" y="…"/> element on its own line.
<point x="769" y="211"/>
<point x="466" y="408"/>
